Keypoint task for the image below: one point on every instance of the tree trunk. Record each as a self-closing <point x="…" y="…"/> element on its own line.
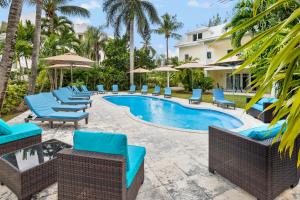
<point x="167" y="47"/>
<point x="10" y="44"/>
<point x="131" y="51"/>
<point x="36" y="47"/>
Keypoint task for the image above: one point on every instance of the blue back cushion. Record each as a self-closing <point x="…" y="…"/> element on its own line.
<point x="115" y="87"/>
<point x="157" y="89"/>
<point x="266" y="100"/>
<point x="197" y="92"/>
<point x="218" y="94"/>
<point x="145" y="87"/>
<point x="4" y="128"/>
<point x="168" y="90"/>
<point x="100" y="87"/>
<point x="264" y="132"/>
<point x="102" y="143"/>
<point x="39" y="105"/>
<point x="132" y="87"/>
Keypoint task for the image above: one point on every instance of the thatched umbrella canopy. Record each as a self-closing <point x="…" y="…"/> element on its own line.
<point x="168" y="69"/>
<point x="140" y="70"/>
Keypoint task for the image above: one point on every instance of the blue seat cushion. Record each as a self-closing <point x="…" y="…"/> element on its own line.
<point x="258" y="107"/>
<point x="20" y="131"/>
<point x="4" y="128"/>
<point x="136" y="156"/>
<point x="69" y="107"/>
<point x="67" y="115"/>
<point x="263" y="132"/>
<point x="225" y="102"/>
<point x="266" y="100"/>
<point x="195" y="98"/>
<point x="102" y="143"/>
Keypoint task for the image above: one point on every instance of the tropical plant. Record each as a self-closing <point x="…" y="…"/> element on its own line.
<point x="94" y="39"/>
<point x="4" y="3"/>
<point x="147" y="44"/>
<point x="141" y="12"/>
<point x="144" y="58"/>
<point x="281" y="62"/>
<point x="60" y="23"/>
<point x="168" y="27"/>
<point x="36" y="47"/>
<point x="51" y="7"/>
<point x="9" y="47"/>
<point x="215" y="20"/>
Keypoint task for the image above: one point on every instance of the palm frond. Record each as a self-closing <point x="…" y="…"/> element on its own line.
<point x="74" y="11"/>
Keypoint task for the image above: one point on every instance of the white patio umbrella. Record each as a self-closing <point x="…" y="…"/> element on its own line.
<point x="168" y="69"/>
<point x="70" y="59"/>
<point x="140" y="70"/>
<point x="192" y="65"/>
<point x="65" y="66"/>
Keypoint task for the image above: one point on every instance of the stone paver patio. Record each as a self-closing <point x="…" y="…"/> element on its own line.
<point x="176" y="165"/>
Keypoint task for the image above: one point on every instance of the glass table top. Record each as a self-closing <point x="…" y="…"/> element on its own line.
<point x="35" y="155"/>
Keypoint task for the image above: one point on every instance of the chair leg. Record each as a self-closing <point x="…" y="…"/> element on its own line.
<point x="51" y="124"/>
<point x="86" y="120"/>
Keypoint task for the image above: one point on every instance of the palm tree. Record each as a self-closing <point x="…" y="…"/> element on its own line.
<point x="4" y="3"/>
<point x="147" y="45"/>
<point x="10" y="43"/>
<point x="282" y="63"/>
<point x="126" y="12"/>
<point x="51" y="7"/>
<point x="94" y="39"/>
<point x="36" y="46"/>
<point x="168" y="28"/>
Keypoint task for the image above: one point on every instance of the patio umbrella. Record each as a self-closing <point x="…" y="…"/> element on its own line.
<point x="168" y="69"/>
<point x="66" y="66"/>
<point x="192" y="65"/>
<point x="70" y="59"/>
<point x="140" y="70"/>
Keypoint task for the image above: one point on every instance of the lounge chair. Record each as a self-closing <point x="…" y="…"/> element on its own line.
<point x="254" y="165"/>
<point x="115" y="89"/>
<point x="100" y="165"/>
<point x="196" y="96"/>
<point x="18" y="136"/>
<point x="132" y="89"/>
<point x="168" y="92"/>
<point x="85" y="89"/>
<point x="156" y="91"/>
<point x="78" y="94"/>
<point x="101" y="89"/>
<point x="74" y="96"/>
<point x="219" y="99"/>
<point x="65" y="98"/>
<point x="44" y="112"/>
<point x="77" y="91"/>
<point x="49" y="98"/>
<point x="144" y="89"/>
<point x="258" y="110"/>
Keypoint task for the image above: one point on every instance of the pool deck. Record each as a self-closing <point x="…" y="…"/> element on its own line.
<point x="176" y="164"/>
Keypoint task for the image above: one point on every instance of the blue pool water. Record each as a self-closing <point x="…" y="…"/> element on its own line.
<point x="168" y="113"/>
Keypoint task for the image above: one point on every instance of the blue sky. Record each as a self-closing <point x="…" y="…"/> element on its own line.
<point x="192" y="13"/>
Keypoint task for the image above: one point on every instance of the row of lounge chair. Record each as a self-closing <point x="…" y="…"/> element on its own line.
<point x="61" y="105"/>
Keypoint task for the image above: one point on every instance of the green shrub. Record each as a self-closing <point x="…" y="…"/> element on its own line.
<point x="205" y="83"/>
<point x="14" y="96"/>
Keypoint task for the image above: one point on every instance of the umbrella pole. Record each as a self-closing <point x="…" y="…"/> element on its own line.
<point x="168" y="79"/>
<point x="192" y="79"/>
<point x="140" y="80"/>
<point x="55" y="79"/>
<point x="61" y="78"/>
<point x="72" y="74"/>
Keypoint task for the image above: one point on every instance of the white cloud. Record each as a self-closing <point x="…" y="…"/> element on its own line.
<point x="81" y="21"/>
<point x="91" y="5"/>
<point x="197" y="4"/>
<point x="28" y="16"/>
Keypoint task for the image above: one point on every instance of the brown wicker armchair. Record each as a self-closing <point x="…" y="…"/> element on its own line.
<point x="265" y="116"/>
<point x="87" y="176"/>
<point x="255" y="166"/>
<point x="19" y="144"/>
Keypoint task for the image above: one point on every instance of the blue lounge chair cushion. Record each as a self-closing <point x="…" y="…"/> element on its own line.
<point x="168" y="91"/>
<point x="218" y="94"/>
<point x="132" y="88"/>
<point x="20" y="131"/>
<point x="225" y="102"/>
<point x="263" y="132"/>
<point x="115" y="88"/>
<point x="102" y="143"/>
<point x="100" y="88"/>
<point x="258" y="107"/>
<point x="156" y="90"/>
<point x="197" y="93"/>
<point x="5" y="129"/>
<point x="67" y="115"/>
<point x="136" y="156"/>
<point x="69" y="107"/>
<point x="144" y="88"/>
<point x="266" y="100"/>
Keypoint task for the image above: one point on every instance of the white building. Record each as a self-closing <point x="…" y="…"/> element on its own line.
<point x="201" y="44"/>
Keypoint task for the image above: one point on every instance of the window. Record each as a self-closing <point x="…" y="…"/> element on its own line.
<point x="229" y="50"/>
<point x="199" y="36"/>
<point x="195" y="37"/>
<point x="208" y="55"/>
<point x="186" y="56"/>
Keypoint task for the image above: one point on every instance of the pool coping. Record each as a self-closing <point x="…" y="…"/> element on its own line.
<point x="135" y="118"/>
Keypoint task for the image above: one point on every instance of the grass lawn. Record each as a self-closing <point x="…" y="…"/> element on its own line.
<point x="8" y="117"/>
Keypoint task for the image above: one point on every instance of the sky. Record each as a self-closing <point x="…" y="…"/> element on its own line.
<point x="192" y="13"/>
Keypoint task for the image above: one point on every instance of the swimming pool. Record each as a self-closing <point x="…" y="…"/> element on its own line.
<point x="172" y="114"/>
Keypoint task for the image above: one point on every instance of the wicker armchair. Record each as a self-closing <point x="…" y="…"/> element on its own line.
<point x="265" y="116"/>
<point x="255" y="166"/>
<point x="19" y="144"/>
<point x="87" y="176"/>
